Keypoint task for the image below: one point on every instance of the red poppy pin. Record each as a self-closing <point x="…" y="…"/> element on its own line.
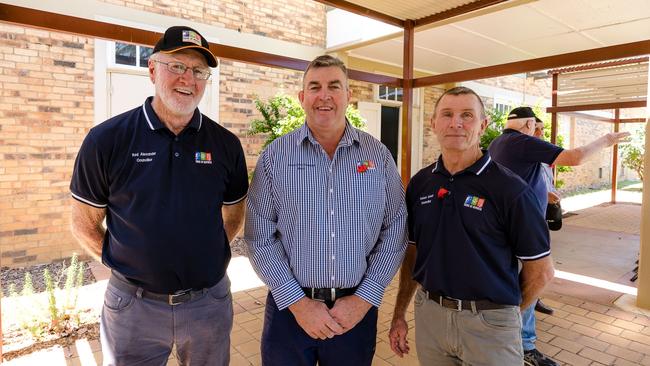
<point x="442" y="193"/>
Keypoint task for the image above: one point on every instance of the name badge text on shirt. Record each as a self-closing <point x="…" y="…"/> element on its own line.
<point x="143" y="157"/>
<point x="424" y="200"/>
<point x="301" y="166"/>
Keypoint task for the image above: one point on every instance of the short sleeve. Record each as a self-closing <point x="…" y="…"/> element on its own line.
<point x="89" y="182"/>
<point x="409" y="206"/>
<point x="528" y="230"/>
<point x="537" y="150"/>
<point x="237" y="187"/>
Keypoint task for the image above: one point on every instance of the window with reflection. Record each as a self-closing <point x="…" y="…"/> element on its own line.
<point x="132" y="55"/>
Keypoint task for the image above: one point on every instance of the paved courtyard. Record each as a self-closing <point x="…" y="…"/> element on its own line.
<point x="595" y="322"/>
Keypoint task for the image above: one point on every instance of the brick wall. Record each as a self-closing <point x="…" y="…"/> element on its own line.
<point x="240" y="85"/>
<point x="46" y="109"/>
<point x="300" y="21"/>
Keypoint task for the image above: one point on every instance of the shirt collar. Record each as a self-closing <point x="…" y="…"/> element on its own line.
<point x="510" y="130"/>
<point x="350" y="135"/>
<point x="476" y="168"/>
<point x="154" y="122"/>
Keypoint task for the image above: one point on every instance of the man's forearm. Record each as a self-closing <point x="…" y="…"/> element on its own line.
<point x="407" y="285"/>
<point x="535" y="275"/>
<point x="86" y="227"/>
<point x="233" y="219"/>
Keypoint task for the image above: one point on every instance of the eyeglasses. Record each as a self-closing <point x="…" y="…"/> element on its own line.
<point x="180" y="68"/>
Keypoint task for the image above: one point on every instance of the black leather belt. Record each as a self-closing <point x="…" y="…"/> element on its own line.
<point x="176" y="298"/>
<point x="458" y="305"/>
<point x="328" y="294"/>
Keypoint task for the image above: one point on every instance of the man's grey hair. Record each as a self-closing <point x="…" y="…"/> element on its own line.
<point x="326" y="61"/>
<point x="460" y="90"/>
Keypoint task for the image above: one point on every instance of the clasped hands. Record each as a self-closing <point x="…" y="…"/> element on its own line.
<point x="319" y="322"/>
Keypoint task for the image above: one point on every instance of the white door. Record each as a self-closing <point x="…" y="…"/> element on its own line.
<point x="372" y="114"/>
<point x="129" y="90"/>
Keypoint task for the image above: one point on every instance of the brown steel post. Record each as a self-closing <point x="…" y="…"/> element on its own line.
<point x="617" y="119"/>
<point x="407" y="101"/>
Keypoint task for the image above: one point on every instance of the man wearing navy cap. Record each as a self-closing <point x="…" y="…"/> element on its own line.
<point x="171" y="184"/>
<point x="470" y="221"/>
<point x="520" y="151"/>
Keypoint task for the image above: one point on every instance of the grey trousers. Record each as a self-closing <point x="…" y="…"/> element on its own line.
<point x="140" y="331"/>
<point x="449" y="337"/>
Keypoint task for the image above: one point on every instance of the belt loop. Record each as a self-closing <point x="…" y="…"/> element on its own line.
<point x="312" y="293"/>
<point x="473" y="304"/>
<point x="138" y="292"/>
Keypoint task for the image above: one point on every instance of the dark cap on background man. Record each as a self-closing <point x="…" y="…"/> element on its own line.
<point x="523" y="112"/>
<point x="182" y="38"/>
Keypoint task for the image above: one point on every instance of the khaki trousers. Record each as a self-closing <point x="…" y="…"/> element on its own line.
<point x="449" y="337"/>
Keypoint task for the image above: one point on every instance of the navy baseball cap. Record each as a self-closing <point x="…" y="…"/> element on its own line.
<point x="523" y="112"/>
<point x="182" y="38"/>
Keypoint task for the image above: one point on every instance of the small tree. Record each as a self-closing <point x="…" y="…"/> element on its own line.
<point x="633" y="153"/>
<point x="282" y="114"/>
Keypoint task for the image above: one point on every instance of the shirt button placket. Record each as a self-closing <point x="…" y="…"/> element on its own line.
<point x="332" y="226"/>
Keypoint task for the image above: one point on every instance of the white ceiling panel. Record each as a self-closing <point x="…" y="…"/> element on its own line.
<point x="524" y="31"/>
<point x="622" y="33"/>
<point x="557" y="44"/>
<point x="514" y="24"/>
<point x="589" y="14"/>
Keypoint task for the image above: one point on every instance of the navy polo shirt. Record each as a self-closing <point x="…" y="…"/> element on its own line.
<point x="163" y="196"/>
<point x="523" y="154"/>
<point x="470" y="228"/>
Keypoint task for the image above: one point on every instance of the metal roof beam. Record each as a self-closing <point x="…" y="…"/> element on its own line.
<point x="572" y="58"/>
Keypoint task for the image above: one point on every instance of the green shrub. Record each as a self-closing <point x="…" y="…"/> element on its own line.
<point x="633" y="152"/>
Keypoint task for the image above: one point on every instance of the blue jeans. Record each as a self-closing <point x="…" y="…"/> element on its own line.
<point x="528" y="334"/>
<point x="285" y="343"/>
<point x="139" y="331"/>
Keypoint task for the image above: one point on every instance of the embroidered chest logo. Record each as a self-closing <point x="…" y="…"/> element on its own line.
<point x="365" y="165"/>
<point x="474" y="202"/>
<point x="201" y="157"/>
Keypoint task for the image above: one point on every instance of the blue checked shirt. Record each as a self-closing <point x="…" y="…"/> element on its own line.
<point x="316" y="222"/>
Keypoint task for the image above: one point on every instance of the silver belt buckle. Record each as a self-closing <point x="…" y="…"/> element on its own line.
<point x="179" y="294"/>
<point x="458" y="303"/>
<point x="333" y="294"/>
<point x="313" y="295"/>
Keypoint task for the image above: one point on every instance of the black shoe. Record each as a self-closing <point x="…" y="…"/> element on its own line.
<point x="542" y="308"/>
<point x="536" y="358"/>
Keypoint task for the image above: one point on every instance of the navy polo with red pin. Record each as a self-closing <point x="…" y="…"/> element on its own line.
<point x="133" y="166"/>
<point x="471" y="227"/>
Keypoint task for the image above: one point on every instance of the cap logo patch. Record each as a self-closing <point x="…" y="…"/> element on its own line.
<point x="191" y="37"/>
<point x="201" y="157"/>
<point x="474" y="202"/>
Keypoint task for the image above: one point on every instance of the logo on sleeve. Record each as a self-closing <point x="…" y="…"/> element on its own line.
<point x="474" y="202"/>
<point x="201" y="157"/>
